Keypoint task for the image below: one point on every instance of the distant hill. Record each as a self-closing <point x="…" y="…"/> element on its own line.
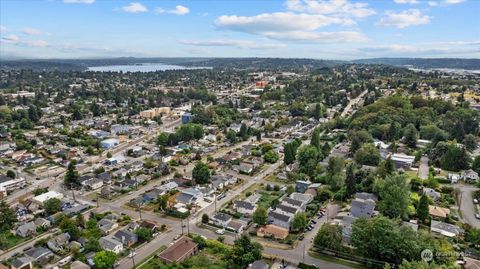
<point x="425" y="63"/>
<point x="280" y="64"/>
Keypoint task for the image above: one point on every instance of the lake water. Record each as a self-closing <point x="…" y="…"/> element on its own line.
<point x="142" y="68"/>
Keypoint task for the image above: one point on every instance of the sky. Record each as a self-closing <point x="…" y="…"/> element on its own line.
<point x="319" y="29"/>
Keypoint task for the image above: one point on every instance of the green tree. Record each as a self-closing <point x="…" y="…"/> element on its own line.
<point x="307" y="157"/>
<point x="201" y="173"/>
<point x="104" y="259"/>
<point x="11" y="174"/>
<point x="71" y="176"/>
<point x="386" y="167"/>
<point x="476" y="164"/>
<point x="367" y="155"/>
<point x="300" y="221"/>
<point x="162" y="139"/>
<point x="80" y="220"/>
<point x="231" y="136"/>
<point x="244" y="252"/>
<point x="7" y="217"/>
<point x="260" y="216"/>
<point x="144" y="234"/>
<point x="52" y="206"/>
<point x="358" y="138"/>
<point x="205" y="218"/>
<point x="422" y="209"/>
<point x="162" y="202"/>
<point x="351" y="179"/>
<point x="270" y="156"/>
<point x="394" y="193"/>
<point x="329" y="236"/>
<point x="289" y="153"/>
<point x="411" y="136"/>
<point x="69" y="226"/>
<point x="470" y="142"/>
<point x="243" y="133"/>
<point x="315" y="141"/>
<point x="317" y="111"/>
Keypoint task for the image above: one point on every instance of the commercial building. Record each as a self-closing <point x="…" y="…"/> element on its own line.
<point x="109" y="143"/>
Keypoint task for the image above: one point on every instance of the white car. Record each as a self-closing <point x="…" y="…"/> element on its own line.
<point x="477" y="216"/>
<point x="475" y="201"/>
<point x="132" y="254"/>
<point x="220" y="231"/>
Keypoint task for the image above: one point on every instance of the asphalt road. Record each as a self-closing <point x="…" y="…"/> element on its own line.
<point x="423" y="169"/>
<point x="467" y="206"/>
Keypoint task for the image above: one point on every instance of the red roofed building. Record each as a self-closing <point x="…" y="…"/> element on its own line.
<point x="179" y="251"/>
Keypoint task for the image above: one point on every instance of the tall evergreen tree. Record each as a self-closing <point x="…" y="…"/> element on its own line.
<point x="422" y="209"/>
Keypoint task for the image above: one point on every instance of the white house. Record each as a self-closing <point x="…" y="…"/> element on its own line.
<point x="470" y="176"/>
<point x="111" y="244"/>
<point x="40" y="199"/>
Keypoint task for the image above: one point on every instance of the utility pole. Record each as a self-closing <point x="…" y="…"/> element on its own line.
<point x="133" y="261"/>
<point x="303" y="254"/>
<point x="215" y="202"/>
<point x="182" y="225"/>
<point x="139" y="212"/>
<point x="73" y="192"/>
<point x="97" y="200"/>
<point x="188" y="225"/>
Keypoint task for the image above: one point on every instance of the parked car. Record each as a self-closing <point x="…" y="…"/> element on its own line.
<point x="220" y="231"/>
<point x="475" y="201"/>
<point x="477" y="216"/>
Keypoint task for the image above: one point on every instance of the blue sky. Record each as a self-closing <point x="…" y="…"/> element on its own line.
<point x="323" y="29"/>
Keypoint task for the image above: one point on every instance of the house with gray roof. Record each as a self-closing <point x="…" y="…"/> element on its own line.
<point x="445" y="229"/>
<point x="126" y="237"/>
<point x="111" y="244"/>
<point x="39" y="255"/>
<point x="286" y="210"/>
<point x="435" y="195"/>
<point x="106" y="226"/>
<point x="21" y="263"/>
<point x="279" y="219"/>
<point x="27" y="229"/>
<point x="59" y="243"/>
<point x="221" y="219"/>
<point x="362" y="208"/>
<point x="244" y="207"/>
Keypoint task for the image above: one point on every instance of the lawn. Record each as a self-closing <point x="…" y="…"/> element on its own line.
<point x="267" y="198"/>
<point x="8" y="240"/>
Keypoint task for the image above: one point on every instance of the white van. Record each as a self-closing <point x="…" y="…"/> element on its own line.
<point x="64" y="261"/>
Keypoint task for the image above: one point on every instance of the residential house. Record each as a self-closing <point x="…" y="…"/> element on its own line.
<point x="27" y="229"/>
<point x="21" y="263"/>
<point x="286" y="210"/>
<point x="244" y="207"/>
<point x="79" y="265"/>
<point x="39" y="255"/>
<point x="470" y="176"/>
<point x="236" y="226"/>
<point x="432" y="194"/>
<point x="42" y="223"/>
<point x="106" y="226"/>
<point x="111" y="244"/>
<point x="402" y="161"/>
<point x="126" y="237"/>
<point x="438" y="212"/>
<point x="189" y="196"/>
<point x="304" y="198"/>
<point x="221" y="219"/>
<point x="179" y="251"/>
<point x="92" y="183"/>
<point x="279" y="219"/>
<point x="59" y="243"/>
<point x="243" y="168"/>
<point x="362" y="208"/>
<point x="259" y="264"/>
<point x="445" y="229"/>
<point x="301" y="185"/>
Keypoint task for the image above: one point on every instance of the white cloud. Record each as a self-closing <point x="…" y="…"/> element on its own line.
<point x="180" y="10"/>
<point x="404" y="18"/>
<point x="31" y="31"/>
<point x="10" y="38"/>
<point x="454" y="2"/>
<point x="3" y="29"/>
<point x="159" y="10"/>
<point x="318" y="37"/>
<point x="279" y="21"/>
<point x="36" y="43"/>
<point x="291" y="26"/>
<point x="135" y="7"/>
<point x="432" y="3"/>
<point x="343" y="8"/>
<point x="406" y="1"/>
<point x="239" y="43"/>
<point x="78" y="1"/>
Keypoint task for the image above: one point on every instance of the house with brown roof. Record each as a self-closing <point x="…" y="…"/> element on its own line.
<point x="179" y="251"/>
<point x="438" y="212"/>
<point x="272" y="230"/>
